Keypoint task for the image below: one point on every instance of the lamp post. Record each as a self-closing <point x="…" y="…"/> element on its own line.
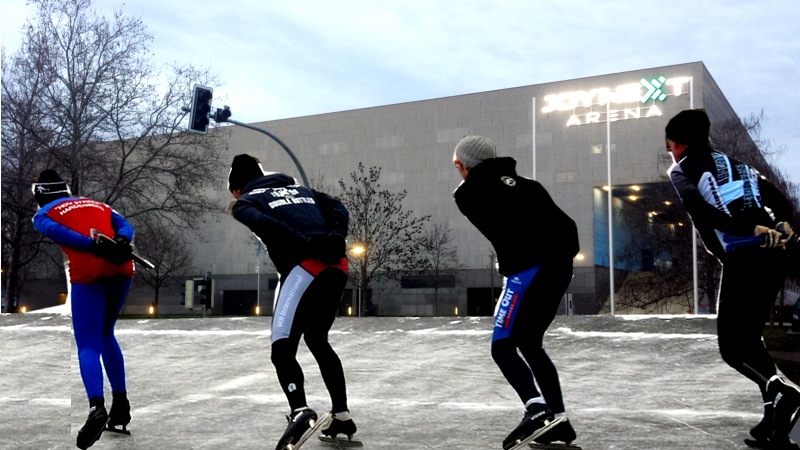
<point x="359" y="251"/>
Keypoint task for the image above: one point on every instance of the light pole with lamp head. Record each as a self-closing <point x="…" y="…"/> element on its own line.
<point x="359" y="251"/>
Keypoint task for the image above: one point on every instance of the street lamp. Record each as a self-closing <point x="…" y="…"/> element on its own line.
<point x="358" y="251"/>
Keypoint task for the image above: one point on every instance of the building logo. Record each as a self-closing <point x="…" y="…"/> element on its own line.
<point x="653" y="89"/>
<point x="583" y="104"/>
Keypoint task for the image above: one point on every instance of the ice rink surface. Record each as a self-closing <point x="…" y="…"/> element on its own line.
<point x="413" y="383"/>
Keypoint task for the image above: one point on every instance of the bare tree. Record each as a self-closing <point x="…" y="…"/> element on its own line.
<point x="106" y="118"/>
<point x="25" y="137"/>
<point x="168" y="248"/>
<point x="441" y="254"/>
<point x="388" y="233"/>
<point x="118" y="132"/>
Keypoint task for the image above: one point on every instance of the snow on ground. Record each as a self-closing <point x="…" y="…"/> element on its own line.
<point x="413" y="383"/>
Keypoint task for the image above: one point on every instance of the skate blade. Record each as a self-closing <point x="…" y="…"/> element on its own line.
<point x="341" y="442"/>
<point x="752" y="443"/>
<point x="553" y="446"/>
<point x="528" y="440"/>
<point x="767" y="445"/>
<point x="114" y="429"/>
<point x="319" y="423"/>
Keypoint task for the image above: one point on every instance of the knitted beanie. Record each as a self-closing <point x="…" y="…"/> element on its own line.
<point x="473" y="150"/>
<point x="244" y="169"/>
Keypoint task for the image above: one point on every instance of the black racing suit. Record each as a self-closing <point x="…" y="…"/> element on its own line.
<point x="292" y="221"/>
<point x="721" y="193"/>
<point x="535" y="242"/>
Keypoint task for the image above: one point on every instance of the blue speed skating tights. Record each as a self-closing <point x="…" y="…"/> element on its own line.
<point x="94" y="312"/>
<point x="526" y="308"/>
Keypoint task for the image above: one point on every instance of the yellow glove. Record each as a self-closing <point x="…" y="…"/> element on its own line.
<point x="773" y="237"/>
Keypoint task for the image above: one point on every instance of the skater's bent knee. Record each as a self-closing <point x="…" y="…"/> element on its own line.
<point x="502" y="348"/>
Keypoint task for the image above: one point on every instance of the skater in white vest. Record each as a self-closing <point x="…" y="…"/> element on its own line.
<point x="726" y="195"/>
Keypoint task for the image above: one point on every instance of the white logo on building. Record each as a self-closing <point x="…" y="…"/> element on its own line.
<point x="581" y="103"/>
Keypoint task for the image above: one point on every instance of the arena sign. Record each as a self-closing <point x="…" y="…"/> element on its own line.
<point x="656" y="89"/>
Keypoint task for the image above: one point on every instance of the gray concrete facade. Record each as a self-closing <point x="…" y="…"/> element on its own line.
<point x="413" y="145"/>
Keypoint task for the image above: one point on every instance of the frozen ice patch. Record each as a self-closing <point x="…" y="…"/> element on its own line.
<point x="61" y="402"/>
<point x="685" y="413"/>
<point x="635" y="336"/>
<point x="194" y="332"/>
<point x="435" y="332"/>
<point x="26" y="327"/>
<point x="666" y="316"/>
<point x="60" y="309"/>
<point x="248" y="380"/>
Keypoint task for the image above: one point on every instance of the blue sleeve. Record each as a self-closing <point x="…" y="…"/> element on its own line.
<point x="60" y="234"/>
<point x="121" y="226"/>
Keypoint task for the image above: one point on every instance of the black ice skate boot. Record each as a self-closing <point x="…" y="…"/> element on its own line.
<point x="300" y="421"/>
<point x="95" y="423"/>
<point x="785" y="405"/>
<point x="762" y="432"/>
<point x="341" y="423"/>
<point x="120" y="413"/>
<point x="537" y="420"/>
<point x="560" y="432"/>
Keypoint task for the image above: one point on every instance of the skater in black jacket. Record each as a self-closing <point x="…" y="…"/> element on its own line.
<point x="721" y="193"/>
<point x="304" y="232"/>
<point x="535" y="242"/>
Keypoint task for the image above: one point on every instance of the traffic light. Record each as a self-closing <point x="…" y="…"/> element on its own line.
<point x="205" y="295"/>
<point x="199" y="292"/>
<point x="201" y="107"/>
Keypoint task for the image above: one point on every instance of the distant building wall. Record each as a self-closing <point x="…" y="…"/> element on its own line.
<point x="413" y="145"/>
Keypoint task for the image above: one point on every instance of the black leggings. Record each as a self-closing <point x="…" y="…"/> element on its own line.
<point x="313" y="319"/>
<point x="750" y="283"/>
<point x="535" y="313"/>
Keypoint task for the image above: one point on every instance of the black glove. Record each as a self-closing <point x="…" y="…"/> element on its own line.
<point x="329" y="249"/>
<point x="102" y="248"/>
<point x="123" y="251"/>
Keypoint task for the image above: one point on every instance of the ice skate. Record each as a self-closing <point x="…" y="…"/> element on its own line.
<point x="95" y="423"/>
<point x="786" y="407"/>
<point x="303" y="423"/>
<point x="768" y="444"/>
<point x="762" y="432"/>
<point x="341" y="425"/>
<point x="120" y="414"/>
<point x="537" y="420"/>
<point x="559" y="437"/>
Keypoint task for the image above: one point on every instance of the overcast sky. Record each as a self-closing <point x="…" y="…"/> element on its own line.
<point x="302" y="57"/>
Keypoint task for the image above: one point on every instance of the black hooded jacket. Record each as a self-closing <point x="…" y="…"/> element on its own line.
<point x="286" y="216"/>
<point x="517" y="215"/>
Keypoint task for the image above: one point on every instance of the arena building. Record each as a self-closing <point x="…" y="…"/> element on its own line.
<point x="576" y="137"/>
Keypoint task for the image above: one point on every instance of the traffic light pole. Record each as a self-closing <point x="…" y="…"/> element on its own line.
<point x="200" y="113"/>
<point x="294" y="158"/>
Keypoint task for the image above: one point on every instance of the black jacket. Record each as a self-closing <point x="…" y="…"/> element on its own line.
<point x="286" y="216"/>
<point x="722" y="193"/>
<point x="517" y="215"/>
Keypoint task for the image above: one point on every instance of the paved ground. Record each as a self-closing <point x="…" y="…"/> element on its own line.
<point x="655" y="383"/>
